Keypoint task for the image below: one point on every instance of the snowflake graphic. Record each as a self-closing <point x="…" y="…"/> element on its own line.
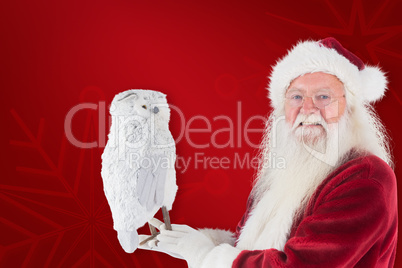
<point x="63" y="223"/>
<point x="358" y="33"/>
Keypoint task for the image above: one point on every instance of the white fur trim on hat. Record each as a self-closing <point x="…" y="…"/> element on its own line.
<point x="374" y="83"/>
<point x="368" y="84"/>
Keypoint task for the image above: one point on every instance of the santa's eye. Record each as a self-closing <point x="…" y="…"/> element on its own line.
<point x="144" y="106"/>
<point x="297" y="97"/>
<point x="323" y="97"/>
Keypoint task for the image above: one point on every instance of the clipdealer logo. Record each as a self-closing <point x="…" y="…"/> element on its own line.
<point x="237" y="130"/>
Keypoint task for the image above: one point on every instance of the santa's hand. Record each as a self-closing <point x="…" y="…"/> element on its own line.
<point x="151" y="244"/>
<point x="183" y="241"/>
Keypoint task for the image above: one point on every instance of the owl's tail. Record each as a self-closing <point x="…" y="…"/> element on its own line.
<point x="128" y="240"/>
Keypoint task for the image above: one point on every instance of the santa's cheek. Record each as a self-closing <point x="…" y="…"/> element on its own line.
<point x="291" y="115"/>
<point x="331" y="112"/>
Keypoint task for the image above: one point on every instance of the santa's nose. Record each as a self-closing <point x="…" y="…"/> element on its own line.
<point x="308" y="106"/>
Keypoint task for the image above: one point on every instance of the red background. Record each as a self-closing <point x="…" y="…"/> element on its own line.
<point x="205" y="56"/>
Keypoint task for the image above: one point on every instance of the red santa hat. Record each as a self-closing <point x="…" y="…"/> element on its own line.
<point x="362" y="82"/>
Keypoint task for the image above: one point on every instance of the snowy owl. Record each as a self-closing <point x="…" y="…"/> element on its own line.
<point x="138" y="162"/>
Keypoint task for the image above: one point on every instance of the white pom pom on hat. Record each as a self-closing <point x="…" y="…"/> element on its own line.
<point x="362" y="82"/>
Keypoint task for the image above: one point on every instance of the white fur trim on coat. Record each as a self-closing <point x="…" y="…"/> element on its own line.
<point x="219" y="236"/>
<point x="221" y="256"/>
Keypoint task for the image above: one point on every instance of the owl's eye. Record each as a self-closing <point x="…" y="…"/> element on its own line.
<point x="144" y="106"/>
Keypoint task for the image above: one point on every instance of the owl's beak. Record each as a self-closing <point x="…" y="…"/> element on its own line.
<point x="155" y="110"/>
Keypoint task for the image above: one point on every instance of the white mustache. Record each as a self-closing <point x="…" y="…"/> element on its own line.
<point x="310" y="118"/>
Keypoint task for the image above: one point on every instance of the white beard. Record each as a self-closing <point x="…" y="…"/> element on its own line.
<point x="281" y="193"/>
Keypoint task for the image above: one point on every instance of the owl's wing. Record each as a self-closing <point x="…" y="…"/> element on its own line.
<point x="151" y="182"/>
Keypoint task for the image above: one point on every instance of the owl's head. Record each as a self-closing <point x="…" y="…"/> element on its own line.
<point x="140" y="102"/>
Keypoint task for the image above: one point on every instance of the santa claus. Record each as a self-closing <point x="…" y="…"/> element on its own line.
<point x="334" y="204"/>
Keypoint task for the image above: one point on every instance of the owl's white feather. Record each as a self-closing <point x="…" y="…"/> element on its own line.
<point x="138" y="162"/>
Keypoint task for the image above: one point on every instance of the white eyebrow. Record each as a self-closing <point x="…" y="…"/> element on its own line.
<point x="325" y="89"/>
<point x="294" y="89"/>
<point x="303" y="91"/>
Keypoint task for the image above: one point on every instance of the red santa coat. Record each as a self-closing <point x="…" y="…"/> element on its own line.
<point x="350" y="221"/>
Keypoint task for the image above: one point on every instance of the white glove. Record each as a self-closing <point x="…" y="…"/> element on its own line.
<point x="150" y="245"/>
<point x="184" y="241"/>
